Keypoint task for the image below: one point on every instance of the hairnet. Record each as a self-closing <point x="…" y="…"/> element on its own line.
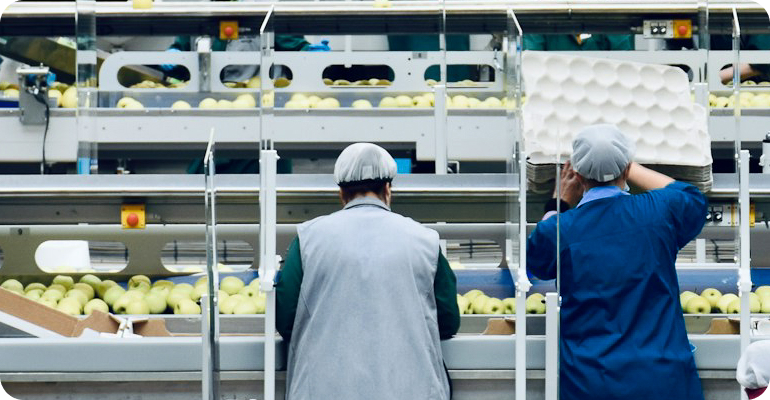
<point x="753" y="370"/>
<point x="601" y="152"/>
<point x="364" y="161"/>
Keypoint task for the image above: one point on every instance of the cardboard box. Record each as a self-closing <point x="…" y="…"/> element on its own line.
<point x="500" y="326"/>
<point x="66" y="325"/>
<point x="724" y="326"/>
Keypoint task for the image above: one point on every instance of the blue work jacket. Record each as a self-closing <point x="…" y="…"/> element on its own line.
<point x="622" y="331"/>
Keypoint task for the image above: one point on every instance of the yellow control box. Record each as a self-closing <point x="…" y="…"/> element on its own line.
<point x="132" y="216"/>
<point x="228" y="30"/>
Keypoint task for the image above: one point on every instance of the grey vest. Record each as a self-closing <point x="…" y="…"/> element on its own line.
<point x="366" y="327"/>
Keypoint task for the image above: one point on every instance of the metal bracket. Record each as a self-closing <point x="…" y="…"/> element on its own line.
<point x="33" y="92"/>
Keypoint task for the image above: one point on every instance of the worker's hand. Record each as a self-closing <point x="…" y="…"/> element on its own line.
<point x="169" y="67"/>
<point x="571" y="187"/>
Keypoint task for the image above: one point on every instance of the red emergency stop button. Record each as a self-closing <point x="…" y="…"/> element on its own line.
<point x="132" y="220"/>
<point x="682" y="30"/>
<point x="229" y="31"/>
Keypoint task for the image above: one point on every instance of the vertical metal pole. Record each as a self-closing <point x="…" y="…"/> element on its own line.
<point x="87" y="92"/>
<point x="268" y="160"/>
<point x="203" y="48"/>
<point x="700" y="251"/>
<point x="440" y="109"/>
<point x="745" y="257"/>
<point x="551" y="346"/>
<point x="513" y="113"/>
<point x="209" y="306"/>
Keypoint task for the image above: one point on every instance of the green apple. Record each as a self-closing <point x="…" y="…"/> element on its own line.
<point x="135" y="294"/>
<point x="54" y="295"/>
<point x="184" y="287"/>
<point x="133" y="282"/>
<point x="91" y="280"/>
<point x="712" y="295"/>
<point x="156" y="302"/>
<point x="472" y="294"/>
<point x="48" y="302"/>
<point x="163" y="283"/>
<point x="478" y="303"/>
<point x="251" y="292"/>
<point x="34" y="286"/>
<point x="685" y="297"/>
<point x="510" y="305"/>
<point x="725" y="301"/>
<point x="59" y="287"/>
<point x="462" y="304"/>
<point x="762" y="291"/>
<point x="755" y="305"/>
<point x="245" y="307"/>
<point x="103" y="286"/>
<point x="231" y="284"/>
<point x="261" y="303"/>
<point x="69" y="305"/>
<point x="112" y="294"/>
<point x="227" y="305"/>
<point x="535" y="304"/>
<point x="33" y="295"/>
<point x="78" y="295"/>
<point x="38" y="292"/>
<point x="198" y="292"/>
<point x="120" y="305"/>
<point x="64" y="280"/>
<point x="187" y="306"/>
<point x="162" y="291"/>
<point x="175" y="297"/>
<point x="765" y="304"/>
<point x="96" y="304"/>
<point x="734" y="307"/>
<point x="202" y="281"/>
<point x="698" y="305"/>
<point x="138" y="307"/>
<point x="494" y="306"/>
<point x="13" y="285"/>
<point x="85" y="288"/>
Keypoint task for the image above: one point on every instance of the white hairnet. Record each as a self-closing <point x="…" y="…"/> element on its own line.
<point x="753" y="370"/>
<point x="601" y="152"/>
<point x="364" y="161"/>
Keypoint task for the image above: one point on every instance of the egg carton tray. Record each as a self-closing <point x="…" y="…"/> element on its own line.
<point x="651" y="104"/>
<point x="541" y="178"/>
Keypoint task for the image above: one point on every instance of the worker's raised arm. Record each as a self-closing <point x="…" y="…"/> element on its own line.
<point x="445" y="290"/>
<point x="645" y="178"/>
<point x="287" y="291"/>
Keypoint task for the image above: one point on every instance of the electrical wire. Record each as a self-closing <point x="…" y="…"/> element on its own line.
<point x="44" y="101"/>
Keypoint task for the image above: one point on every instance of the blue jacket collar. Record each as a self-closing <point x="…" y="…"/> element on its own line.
<point x="601" y="192"/>
<point x="366" y="201"/>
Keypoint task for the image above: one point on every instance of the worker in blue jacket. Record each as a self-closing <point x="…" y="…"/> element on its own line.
<point x="622" y="331"/>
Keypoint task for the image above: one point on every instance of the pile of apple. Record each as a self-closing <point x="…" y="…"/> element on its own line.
<point x="476" y="302"/>
<point x="241" y="102"/>
<point x="713" y="300"/>
<point x="302" y="101"/>
<point x="363" y="82"/>
<point x="747" y="100"/>
<point x="142" y="297"/>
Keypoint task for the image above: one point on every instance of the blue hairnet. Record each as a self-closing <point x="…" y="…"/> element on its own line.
<point x="601" y="152"/>
<point x="364" y="161"/>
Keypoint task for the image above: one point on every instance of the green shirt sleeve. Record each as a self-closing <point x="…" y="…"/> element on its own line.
<point x="291" y="43"/>
<point x="181" y="43"/>
<point x="445" y="288"/>
<point x="620" y="42"/>
<point x="534" y="42"/>
<point x="287" y="291"/>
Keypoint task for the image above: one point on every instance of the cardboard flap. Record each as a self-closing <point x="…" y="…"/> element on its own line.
<point x="97" y="321"/>
<point x="36" y="313"/>
<point x="500" y="326"/>
<point x="724" y="326"/>
<point x="151" y="328"/>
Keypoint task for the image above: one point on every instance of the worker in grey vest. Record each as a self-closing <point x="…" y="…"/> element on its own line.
<point x="365" y="295"/>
